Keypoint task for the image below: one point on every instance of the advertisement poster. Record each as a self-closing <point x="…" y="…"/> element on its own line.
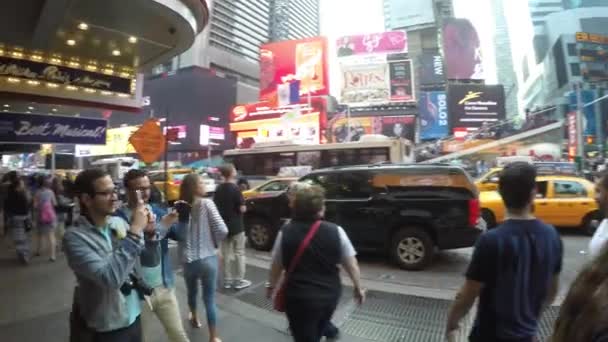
<point x="401" y="83"/>
<point x="182" y="131"/>
<point x="398" y="126"/>
<point x="304" y="60"/>
<point x="471" y="105"/>
<point x="410" y="13"/>
<point x="377" y="43"/>
<point x="431" y="68"/>
<point x="572" y="136"/>
<point x="434" y="119"/>
<point x="365" y="84"/>
<point x="44" y="129"/>
<point x="338" y="131"/>
<point x="587" y="96"/>
<point x="462" y="48"/>
<point x="117" y="142"/>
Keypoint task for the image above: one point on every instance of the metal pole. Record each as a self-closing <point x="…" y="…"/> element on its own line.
<point x="166" y="166"/>
<point x="53" y="166"/>
<point x="599" y="131"/>
<point x="579" y="124"/>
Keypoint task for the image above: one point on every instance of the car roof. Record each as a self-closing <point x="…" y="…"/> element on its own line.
<point x="390" y="166"/>
<point x="561" y="177"/>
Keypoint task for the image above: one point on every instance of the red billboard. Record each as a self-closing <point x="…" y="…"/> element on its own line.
<point x="462" y="48"/>
<point x="304" y="60"/>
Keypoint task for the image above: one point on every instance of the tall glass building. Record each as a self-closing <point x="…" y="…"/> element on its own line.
<point x="294" y="19"/>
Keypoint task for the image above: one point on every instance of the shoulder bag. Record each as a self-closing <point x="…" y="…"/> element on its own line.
<point x="279" y="298"/>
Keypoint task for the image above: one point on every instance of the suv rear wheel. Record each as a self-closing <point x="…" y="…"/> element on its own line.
<point x="591" y="222"/>
<point x="412" y="248"/>
<point x="260" y="234"/>
<point x="489" y="217"/>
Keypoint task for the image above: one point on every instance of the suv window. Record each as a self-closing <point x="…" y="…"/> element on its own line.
<point x="355" y="185"/>
<point x="569" y="189"/>
<point x="347" y="185"/>
<point x="541" y="189"/>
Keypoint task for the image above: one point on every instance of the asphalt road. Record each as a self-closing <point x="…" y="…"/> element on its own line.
<point x="445" y="276"/>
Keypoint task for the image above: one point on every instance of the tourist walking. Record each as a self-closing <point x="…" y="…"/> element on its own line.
<point x="201" y="231"/>
<point x="156" y="269"/>
<point x="17" y="211"/>
<point x="46" y="218"/>
<point x="231" y="205"/>
<point x="310" y="250"/>
<point x="514" y="270"/>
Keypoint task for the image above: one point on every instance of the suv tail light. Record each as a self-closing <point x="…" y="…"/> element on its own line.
<point x="474" y="212"/>
<point x="177" y="182"/>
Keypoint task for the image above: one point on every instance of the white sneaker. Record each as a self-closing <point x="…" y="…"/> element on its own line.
<point x="242" y="284"/>
<point x="228" y="284"/>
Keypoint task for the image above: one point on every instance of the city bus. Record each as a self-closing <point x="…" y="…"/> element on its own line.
<point x="267" y="159"/>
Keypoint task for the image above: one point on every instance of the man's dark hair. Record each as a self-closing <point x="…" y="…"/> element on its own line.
<point x="85" y="182"/>
<point x="308" y="203"/>
<point x="516" y="183"/>
<point x="132" y="175"/>
<point x="226" y="170"/>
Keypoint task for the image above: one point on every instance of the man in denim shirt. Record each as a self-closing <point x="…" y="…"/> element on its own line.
<point x="103" y="260"/>
<point x="155" y="264"/>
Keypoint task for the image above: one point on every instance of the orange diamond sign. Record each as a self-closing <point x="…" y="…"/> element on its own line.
<point x="149" y="141"/>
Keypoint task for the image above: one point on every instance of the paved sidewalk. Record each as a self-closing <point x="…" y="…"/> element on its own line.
<point x="36" y="302"/>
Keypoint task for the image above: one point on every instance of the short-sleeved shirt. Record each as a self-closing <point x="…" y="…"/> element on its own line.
<point x="228" y="200"/>
<point x="516" y="262"/>
<point x="346" y="247"/>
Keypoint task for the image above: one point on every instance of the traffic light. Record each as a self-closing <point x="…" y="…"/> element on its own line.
<point x="589" y="140"/>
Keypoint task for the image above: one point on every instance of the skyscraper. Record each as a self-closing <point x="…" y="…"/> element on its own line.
<point x="505" y="70"/>
<point x="230" y="45"/>
<point x="294" y="19"/>
<point x="539" y="10"/>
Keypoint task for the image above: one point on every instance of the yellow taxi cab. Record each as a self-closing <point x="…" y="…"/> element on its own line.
<point x="562" y="201"/>
<point x="271" y="186"/>
<point x="174" y="179"/>
<point x="489" y="181"/>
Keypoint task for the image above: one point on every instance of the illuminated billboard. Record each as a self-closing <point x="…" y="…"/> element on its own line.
<point x="304" y="60"/>
<point x="462" y="49"/>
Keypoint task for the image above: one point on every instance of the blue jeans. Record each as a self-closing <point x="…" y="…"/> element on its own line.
<point x="204" y="270"/>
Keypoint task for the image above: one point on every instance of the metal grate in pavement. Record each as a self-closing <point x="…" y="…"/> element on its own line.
<point x="394" y="317"/>
<point x="546" y="323"/>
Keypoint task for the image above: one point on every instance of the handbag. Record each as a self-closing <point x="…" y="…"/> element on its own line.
<point x="279" y="298"/>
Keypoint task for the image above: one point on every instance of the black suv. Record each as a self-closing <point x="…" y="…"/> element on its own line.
<point x="406" y="211"/>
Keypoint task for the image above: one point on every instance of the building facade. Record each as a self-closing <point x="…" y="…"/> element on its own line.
<point x="546" y="83"/>
<point x="294" y="19"/>
<point x="505" y="70"/>
<point x="230" y="45"/>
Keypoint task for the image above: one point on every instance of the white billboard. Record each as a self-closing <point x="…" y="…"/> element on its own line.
<point x="408" y="13"/>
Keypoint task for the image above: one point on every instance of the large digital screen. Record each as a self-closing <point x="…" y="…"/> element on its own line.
<point x="304" y="60"/>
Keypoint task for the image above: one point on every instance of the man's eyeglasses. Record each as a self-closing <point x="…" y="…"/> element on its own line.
<point x="107" y="193"/>
<point x="142" y="189"/>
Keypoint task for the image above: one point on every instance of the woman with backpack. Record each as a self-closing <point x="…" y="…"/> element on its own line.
<point x="46" y="216"/>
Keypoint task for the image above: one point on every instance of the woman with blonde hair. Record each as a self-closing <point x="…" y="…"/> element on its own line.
<point x="201" y="230"/>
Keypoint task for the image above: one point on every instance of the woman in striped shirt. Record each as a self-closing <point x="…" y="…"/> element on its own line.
<point x="202" y="230"/>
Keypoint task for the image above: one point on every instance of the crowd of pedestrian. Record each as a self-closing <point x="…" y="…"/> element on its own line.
<point x="39" y="203"/>
<point x="120" y="257"/>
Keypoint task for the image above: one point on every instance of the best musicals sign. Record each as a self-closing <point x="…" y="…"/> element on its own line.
<point x="43" y="129"/>
<point x="304" y="60"/>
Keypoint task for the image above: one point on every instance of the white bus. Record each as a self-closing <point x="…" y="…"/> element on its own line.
<point x="117" y="167"/>
<point x="267" y="159"/>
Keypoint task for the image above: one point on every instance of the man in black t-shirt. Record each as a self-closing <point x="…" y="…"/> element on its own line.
<point x="231" y="205"/>
<point x="514" y="269"/>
